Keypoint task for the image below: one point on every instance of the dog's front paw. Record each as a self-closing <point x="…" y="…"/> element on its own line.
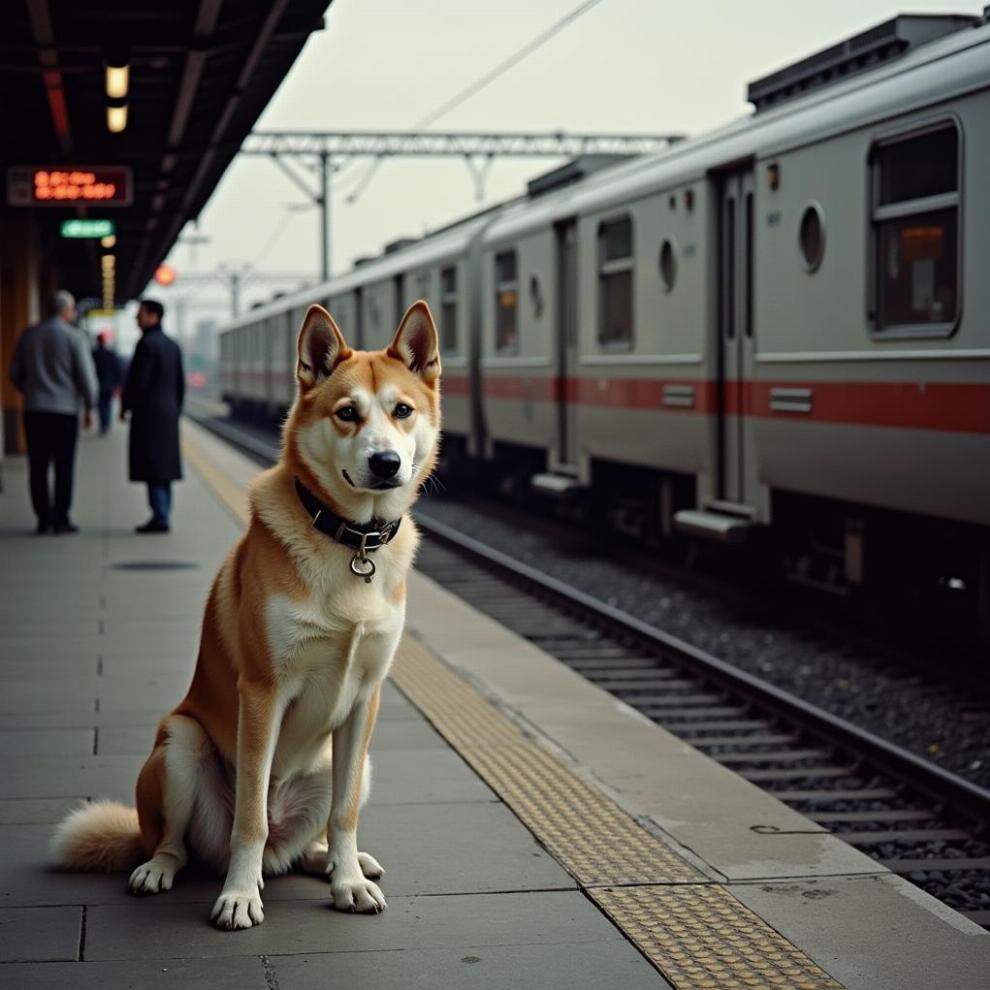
<point x="154" y="876"/>
<point x="356" y="894"/>
<point x="236" y="909"/>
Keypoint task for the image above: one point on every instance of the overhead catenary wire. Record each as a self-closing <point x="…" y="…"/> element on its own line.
<point x="483" y="81"/>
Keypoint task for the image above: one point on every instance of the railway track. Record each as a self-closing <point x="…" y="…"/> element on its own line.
<point x="919" y="820"/>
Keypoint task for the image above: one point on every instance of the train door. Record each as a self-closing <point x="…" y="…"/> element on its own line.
<point x="567" y="344"/>
<point x="737" y="455"/>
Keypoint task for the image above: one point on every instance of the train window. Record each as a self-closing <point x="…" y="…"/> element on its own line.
<point x="668" y="265"/>
<point x="615" y="282"/>
<point x="916" y="231"/>
<point x="448" y="310"/>
<point x="811" y="237"/>
<point x="506" y="303"/>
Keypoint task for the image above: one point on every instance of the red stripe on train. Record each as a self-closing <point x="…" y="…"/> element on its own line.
<point x="958" y="407"/>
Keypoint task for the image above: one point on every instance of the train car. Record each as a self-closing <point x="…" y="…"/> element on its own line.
<point x="780" y="321"/>
<point x="257" y="357"/>
<point x="781" y="326"/>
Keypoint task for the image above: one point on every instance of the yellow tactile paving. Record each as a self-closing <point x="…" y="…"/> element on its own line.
<point x="701" y="938"/>
<point x="589" y="835"/>
<point x="694" y="931"/>
<point x="233" y="496"/>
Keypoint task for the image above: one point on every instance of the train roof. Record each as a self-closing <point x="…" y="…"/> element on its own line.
<point x="921" y="77"/>
<point x="449" y="241"/>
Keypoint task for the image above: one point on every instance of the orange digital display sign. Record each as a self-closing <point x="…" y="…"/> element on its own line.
<point x="108" y="185"/>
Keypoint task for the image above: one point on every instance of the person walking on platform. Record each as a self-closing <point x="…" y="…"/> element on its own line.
<point x="53" y="369"/>
<point x="153" y="395"/>
<point x="109" y="374"/>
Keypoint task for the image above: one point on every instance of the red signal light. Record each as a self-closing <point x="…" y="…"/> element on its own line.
<point x="165" y="275"/>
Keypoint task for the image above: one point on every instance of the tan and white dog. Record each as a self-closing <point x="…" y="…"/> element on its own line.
<point x="299" y="631"/>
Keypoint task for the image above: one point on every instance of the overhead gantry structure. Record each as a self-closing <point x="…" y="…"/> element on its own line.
<point x="323" y="151"/>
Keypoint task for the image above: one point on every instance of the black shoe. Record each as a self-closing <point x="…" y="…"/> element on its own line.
<point x="65" y="527"/>
<point x="42" y="528"/>
<point x="153" y="526"/>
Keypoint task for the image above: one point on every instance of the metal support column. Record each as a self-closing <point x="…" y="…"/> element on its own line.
<point x="326" y="168"/>
<point x="235" y="293"/>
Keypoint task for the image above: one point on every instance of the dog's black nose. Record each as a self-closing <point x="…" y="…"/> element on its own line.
<point x="385" y="463"/>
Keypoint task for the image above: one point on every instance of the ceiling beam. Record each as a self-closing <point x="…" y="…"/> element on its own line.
<point x="196" y="56"/>
<point x="44" y="35"/>
<point x="257" y="49"/>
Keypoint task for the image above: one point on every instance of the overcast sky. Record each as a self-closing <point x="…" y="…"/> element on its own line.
<point x="625" y="66"/>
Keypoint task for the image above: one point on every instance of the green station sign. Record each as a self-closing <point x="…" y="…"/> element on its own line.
<point x="88" y="228"/>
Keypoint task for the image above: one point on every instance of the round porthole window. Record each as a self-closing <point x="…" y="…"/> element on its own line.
<point x="668" y="265"/>
<point x="811" y="237"/>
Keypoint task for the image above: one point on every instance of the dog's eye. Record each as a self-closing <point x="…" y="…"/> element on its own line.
<point x="402" y="411"/>
<point x="347" y="413"/>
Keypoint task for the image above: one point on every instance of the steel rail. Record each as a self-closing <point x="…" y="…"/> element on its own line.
<point x="894" y="760"/>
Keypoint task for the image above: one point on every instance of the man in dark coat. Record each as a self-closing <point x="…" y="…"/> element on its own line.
<point x="109" y="374"/>
<point x="153" y="396"/>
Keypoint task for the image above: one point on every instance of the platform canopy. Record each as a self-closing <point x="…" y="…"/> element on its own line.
<point x="199" y="73"/>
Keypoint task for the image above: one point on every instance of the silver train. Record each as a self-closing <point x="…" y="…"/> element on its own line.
<point x="782" y="326"/>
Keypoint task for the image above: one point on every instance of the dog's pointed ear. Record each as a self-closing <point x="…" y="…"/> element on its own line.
<point x="321" y="347"/>
<point x="416" y="343"/>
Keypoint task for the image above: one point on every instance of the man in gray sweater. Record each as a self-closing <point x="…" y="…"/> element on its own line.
<point x="53" y="369"/>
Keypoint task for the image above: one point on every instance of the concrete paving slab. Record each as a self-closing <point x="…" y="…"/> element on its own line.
<point x="236" y="973"/>
<point x="395" y="705"/>
<point x="875" y="933"/>
<point x="48" y="695"/>
<point x="518" y="967"/>
<point x="163" y="928"/>
<point x="133" y="663"/>
<point x="39" y="626"/>
<point x="30" y="648"/>
<point x="47" y="742"/>
<point x="37" y="811"/>
<point x="40" y="934"/>
<point x="405" y="734"/>
<point x="125" y="740"/>
<point x="424" y="776"/>
<point x="58" y="720"/>
<point x="18" y="667"/>
<point x="54" y="776"/>
<point x="161" y="691"/>
<point x="181" y="641"/>
<point x="444" y="849"/>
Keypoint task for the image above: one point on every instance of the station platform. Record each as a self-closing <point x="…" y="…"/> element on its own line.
<point x="535" y="832"/>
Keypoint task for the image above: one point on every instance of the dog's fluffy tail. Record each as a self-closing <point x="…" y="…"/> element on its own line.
<point x="102" y="837"/>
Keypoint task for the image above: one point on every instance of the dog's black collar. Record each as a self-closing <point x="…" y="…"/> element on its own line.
<point x="363" y="537"/>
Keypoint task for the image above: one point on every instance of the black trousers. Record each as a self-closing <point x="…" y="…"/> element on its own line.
<point x="51" y="437"/>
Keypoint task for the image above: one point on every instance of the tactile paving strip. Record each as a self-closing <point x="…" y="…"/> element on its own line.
<point x="694" y="931"/>
<point x="702" y="938"/>
<point x="589" y="835"/>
